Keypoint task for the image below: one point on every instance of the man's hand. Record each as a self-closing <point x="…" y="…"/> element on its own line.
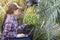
<point x="25" y="24"/>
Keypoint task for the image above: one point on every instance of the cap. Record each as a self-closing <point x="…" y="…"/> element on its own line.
<point x="11" y="3"/>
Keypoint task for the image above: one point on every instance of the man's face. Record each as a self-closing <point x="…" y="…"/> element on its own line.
<point x="16" y="12"/>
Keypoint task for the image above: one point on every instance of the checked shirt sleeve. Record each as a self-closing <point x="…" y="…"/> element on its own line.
<point x="21" y="27"/>
<point x="6" y="30"/>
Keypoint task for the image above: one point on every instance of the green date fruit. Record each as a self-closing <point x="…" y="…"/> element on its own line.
<point x="30" y="16"/>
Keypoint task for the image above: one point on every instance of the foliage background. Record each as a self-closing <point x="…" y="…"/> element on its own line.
<point x="49" y="16"/>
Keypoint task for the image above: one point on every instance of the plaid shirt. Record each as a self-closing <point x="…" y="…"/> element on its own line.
<point x="11" y="27"/>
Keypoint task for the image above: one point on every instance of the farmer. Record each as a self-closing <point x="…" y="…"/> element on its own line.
<point x="10" y="25"/>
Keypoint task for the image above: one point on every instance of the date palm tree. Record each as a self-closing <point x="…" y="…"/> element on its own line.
<point x="49" y="11"/>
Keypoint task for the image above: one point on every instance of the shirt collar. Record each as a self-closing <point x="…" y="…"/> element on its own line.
<point x="11" y="16"/>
